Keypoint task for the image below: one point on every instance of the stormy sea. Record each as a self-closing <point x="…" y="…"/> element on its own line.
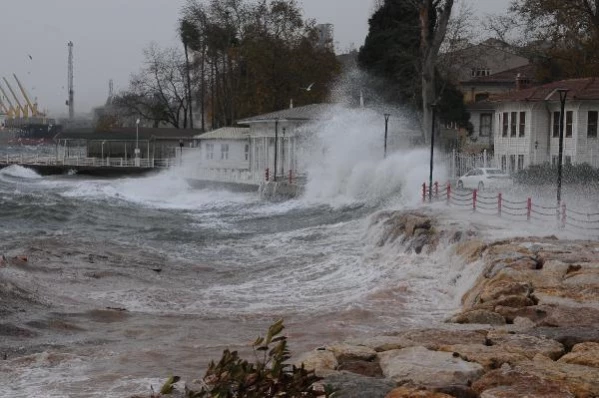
<point x="108" y="286"/>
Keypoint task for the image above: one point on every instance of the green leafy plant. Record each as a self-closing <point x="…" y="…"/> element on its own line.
<point x="269" y="376"/>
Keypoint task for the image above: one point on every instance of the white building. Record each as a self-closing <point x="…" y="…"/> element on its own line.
<point x="526" y="125"/>
<point x="243" y="154"/>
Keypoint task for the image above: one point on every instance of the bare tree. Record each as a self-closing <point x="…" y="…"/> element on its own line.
<point x="158" y="91"/>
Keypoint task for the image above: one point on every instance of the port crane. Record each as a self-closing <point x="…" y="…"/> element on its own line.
<point x="32" y="106"/>
<point x="12" y="111"/>
<point x="23" y="109"/>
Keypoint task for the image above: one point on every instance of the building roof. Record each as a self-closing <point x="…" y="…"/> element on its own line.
<point x="307" y="112"/>
<point x="507" y="77"/>
<point x="579" y="89"/>
<point x="128" y="134"/>
<point x="228" y="133"/>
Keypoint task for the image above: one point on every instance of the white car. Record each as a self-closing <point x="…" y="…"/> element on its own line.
<point x="483" y="178"/>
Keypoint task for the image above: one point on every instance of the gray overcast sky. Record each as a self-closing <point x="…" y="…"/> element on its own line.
<point x="109" y="36"/>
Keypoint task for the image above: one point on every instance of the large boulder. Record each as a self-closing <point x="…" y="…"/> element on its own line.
<point x="415" y="392"/>
<point x="528" y="346"/>
<point x="586" y="354"/>
<point x="582" y="381"/>
<point x="351" y="385"/>
<point x="489" y="357"/>
<point x="424" y="367"/>
<point x="479" y="316"/>
<point x="509" y="383"/>
<point x="322" y="361"/>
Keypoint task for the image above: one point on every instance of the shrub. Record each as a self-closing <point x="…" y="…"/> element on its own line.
<point x="269" y="376"/>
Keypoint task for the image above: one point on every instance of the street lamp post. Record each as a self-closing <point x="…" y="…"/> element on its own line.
<point x="137" y="160"/>
<point x="386" y="129"/>
<point x="430" y="181"/>
<point x="274" y="173"/>
<point x="562" y="98"/>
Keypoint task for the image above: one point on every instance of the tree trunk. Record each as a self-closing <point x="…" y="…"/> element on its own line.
<point x="188" y="75"/>
<point x="431" y="38"/>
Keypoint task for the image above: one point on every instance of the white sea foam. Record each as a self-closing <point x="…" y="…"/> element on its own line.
<point x="346" y="161"/>
<point x="20" y="172"/>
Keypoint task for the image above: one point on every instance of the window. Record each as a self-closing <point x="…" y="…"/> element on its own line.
<point x="569" y="160"/>
<point x="569" y="129"/>
<point x="520" y="162"/>
<point x="522" y="129"/>
<point x="592" y="124"/>
<point x="481" y="97"/>
<point x="479" y="72"/>
<point x="554" y="160"/>
<point x="505" y="124"/>
<point x="486" y="120"/>
<point x="247" y="152"/>
<point x="512" y="163"/>
<point x="513" y="123"/>
<point x="224" y="151"/>
<point x="556" y="124"/>
<point x="503" y="162"/>
<point x="209" y="151"/>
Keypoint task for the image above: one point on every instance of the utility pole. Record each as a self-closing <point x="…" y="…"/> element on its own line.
<point x="386" y="128"/>
<point x="430" y="182"/>
<point x="562" y="98"/>
<point x="274" y="175"/>
<point x="71" y="100"/>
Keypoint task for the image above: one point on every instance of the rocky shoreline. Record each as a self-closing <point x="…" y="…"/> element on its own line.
<point x="529" y="326"/>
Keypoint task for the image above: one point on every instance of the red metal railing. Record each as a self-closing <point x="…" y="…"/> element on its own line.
<point x="582" y="223"/>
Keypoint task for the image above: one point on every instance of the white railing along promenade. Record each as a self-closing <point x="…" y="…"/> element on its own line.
<point x="86" y="161"/>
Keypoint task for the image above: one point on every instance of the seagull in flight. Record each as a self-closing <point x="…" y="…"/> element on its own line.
<point x="308" y="88"/>
<point x="30" y="57"/>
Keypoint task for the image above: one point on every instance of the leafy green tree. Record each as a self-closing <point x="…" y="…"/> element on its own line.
<point x="401" y="46"/>
<point x="254" y="57"/>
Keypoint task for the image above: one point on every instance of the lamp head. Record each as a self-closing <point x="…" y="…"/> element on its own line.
<point x="137" y="121"/>
<point x="563" y="92"/>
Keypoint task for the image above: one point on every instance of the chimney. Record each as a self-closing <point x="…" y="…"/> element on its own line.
<point x="522" y="82"/>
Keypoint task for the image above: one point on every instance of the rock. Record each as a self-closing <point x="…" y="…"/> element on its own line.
<point x="582" y="381"/>
<point x="321" y="361"/>
<point x="344" y="352"/>
<point x="414" y="222"/>
<point x="415" y="392"/>
<point x="364" y="368"/>
<point x="586" y="354"/>
<point x="569" y="336"/>
<point x="507" y="383"/>
<point x="523" y="323"/>
<point x="435" y="338"/>
<point x="423" y="367"/>
<point x="504" y="288"/>
<point x="479" y="317"/>
<point x="383" y="343"/>
<point x="578" y="316"/>
<point x="490" y="357"/>
<point x="471" y="250"/>
<point x="533" y="313"/>
<point x="356" y="386"/>
<point x="528" y="346"/>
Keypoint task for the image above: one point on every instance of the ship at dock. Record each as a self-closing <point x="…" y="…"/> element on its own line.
<point x="21" y="123"/>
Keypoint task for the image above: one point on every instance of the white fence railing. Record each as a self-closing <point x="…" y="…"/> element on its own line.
<point x="459" y="164"/>
<point x="87" y="162"/>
